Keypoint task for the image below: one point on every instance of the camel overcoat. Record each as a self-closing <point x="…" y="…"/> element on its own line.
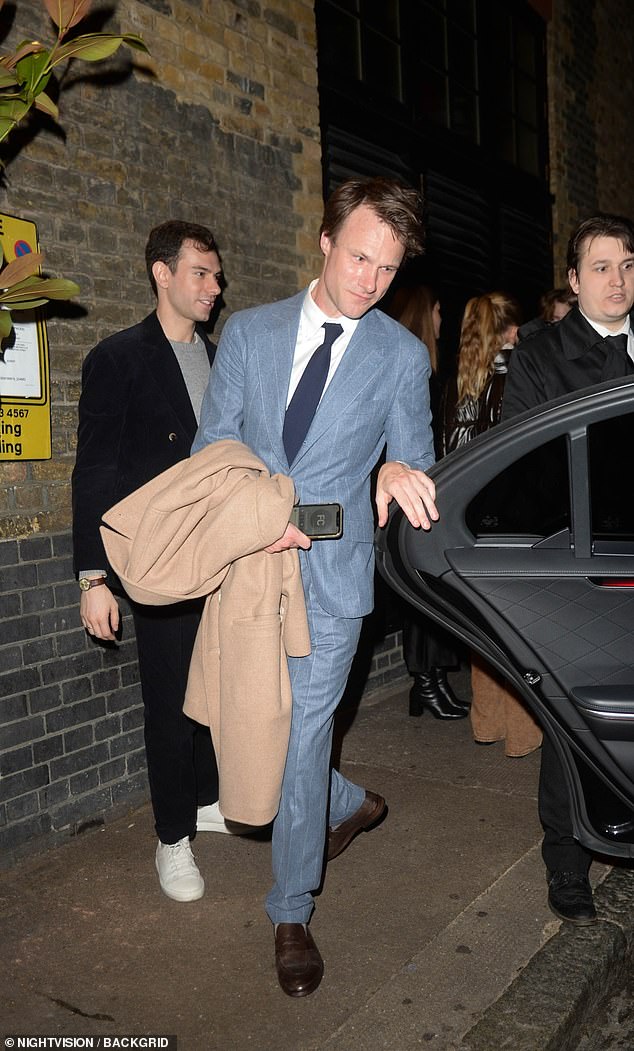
<point x="199" y="529"/>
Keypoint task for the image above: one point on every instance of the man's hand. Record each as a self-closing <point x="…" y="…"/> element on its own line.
<point x="99" y="612"/>
<point x="293" y="537"/>
<point x="413" y="491"/>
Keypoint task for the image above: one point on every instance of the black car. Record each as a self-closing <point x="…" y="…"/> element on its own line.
<point x="532" y="566"/>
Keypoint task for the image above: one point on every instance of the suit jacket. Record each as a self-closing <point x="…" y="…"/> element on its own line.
<point x="559" y="359"/>
<point x="135" y="421"/>
<point x="199" y="529"/>
<point x="379" y="394"/>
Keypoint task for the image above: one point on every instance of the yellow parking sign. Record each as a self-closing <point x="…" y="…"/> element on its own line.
<point x="25" y="396"/>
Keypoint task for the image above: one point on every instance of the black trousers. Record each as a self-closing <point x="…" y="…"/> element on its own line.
<point x="426" y="645"/>
<point x="181" y="763"/>
<point x="560" y="850"/>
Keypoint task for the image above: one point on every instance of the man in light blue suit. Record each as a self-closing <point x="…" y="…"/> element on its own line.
<point x="374" y="377"/>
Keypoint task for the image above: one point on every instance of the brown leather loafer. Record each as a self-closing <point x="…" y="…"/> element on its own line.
<point x="372" y="809"/>
<point x="297" y="959"/>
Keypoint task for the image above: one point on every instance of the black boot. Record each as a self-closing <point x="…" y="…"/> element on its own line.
<point x="425" y="694"/>
<point x="440" y="675"/>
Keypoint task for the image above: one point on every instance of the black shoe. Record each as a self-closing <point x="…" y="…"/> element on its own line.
<point x="440" y="675"/>
<point x="425" y="694"/>
<point x="570" y="898"/>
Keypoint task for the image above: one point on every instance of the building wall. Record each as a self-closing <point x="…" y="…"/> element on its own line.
<point x="220" y="125"/>
<point x="591" y="114"/>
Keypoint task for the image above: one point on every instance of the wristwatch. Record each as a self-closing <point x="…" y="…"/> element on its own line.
<point x="86" y="583"/>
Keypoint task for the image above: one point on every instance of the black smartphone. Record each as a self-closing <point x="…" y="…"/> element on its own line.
<point x="319" y="521"/>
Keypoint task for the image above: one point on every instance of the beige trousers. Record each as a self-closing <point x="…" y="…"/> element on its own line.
<point x="498" y="714"/>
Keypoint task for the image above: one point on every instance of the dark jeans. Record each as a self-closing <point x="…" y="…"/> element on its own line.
<point x="181" y="762"/>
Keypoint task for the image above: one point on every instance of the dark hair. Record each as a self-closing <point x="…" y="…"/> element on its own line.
<point x="166" y="241"/>
<point x="413" y="306"/>
<point x="601" y="225"/>
<point x="555" y="295"/>
<point x="398" y="205"/>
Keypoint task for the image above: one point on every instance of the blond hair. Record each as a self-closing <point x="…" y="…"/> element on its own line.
<point x="485" y="321"/>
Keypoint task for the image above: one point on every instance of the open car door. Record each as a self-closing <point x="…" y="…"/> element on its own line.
<point x="532" y="565"/>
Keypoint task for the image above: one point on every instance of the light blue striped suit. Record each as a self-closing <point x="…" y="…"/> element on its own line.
<point x="379" y="394"/>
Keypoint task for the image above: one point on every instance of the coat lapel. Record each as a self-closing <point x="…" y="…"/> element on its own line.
<point x="165" y="372"/>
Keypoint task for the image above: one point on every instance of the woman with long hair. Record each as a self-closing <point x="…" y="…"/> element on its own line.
<point x="472" y="403"/>
<point x="428" y="650"/>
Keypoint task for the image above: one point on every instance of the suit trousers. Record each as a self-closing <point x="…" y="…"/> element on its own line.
<point x="181" y="762"/>
<point x="312" y="795"/>
<point x="560" y="850"/>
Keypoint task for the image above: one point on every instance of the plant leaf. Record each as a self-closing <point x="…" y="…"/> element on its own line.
<point x="22" y="267"/>
<point x="6" y="324"/>
<point x="27" y="47"/>
<point x="29" y="304"/>
<point x="47" y="105"/>
<point x="82" y="7"/>
<point x="30" y="70"/>
<point x="50" y="288"/>
<point x="12" y="110"/>
<point x="94" y="47"/>
<point x="7" y="79"/>
<point x="60" y="11"/>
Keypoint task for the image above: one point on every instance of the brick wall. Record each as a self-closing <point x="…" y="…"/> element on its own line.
<point x="224" y="132"/>
<point x="591" y="114"/>
<point x="220" y="126"/>
<point x="71" y="720"/>
<point x="70" y="714"/>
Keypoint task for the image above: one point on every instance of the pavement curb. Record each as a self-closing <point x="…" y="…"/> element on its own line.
<point x="545" y="1008"/>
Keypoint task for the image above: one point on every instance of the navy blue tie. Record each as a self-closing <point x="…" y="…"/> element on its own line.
<point x="305" y="400"/>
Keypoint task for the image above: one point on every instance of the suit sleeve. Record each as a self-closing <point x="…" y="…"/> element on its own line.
<point x="408" y="430"/>
<point x="222" y="411"/>
<point x="102" y="410"/>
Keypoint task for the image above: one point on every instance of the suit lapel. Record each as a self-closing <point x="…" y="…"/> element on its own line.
<point x="275" y="363"/>
<point x="165" y="372"/>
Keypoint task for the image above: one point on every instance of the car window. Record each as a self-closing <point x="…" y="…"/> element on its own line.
<point x="529" y="498"/>
<point x="610" y="449"/>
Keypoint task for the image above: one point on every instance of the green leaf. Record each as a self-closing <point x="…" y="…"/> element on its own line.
<point x="30" y="70"/>
<point x="93" y="47"/>
<point x="11" y="113"/>
<point x="27" y="304"/>
<point x="20" y="269"/>
<point x="59" y="288"/>
<point x="7" y="79"/>
<point x="90" y="48"/>
<point x="50" y="288"/>
<point x="27" y="47"/>
<point x="6" y="323"/>
<point x="46" y="104"/>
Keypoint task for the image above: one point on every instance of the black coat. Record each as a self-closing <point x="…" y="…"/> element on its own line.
<point x="557" y="360"/>
<point x="135" y="421"/>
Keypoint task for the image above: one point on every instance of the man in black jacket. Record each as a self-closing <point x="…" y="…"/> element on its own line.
<point x="141" y="394"/>
<point x="593" y="343"/>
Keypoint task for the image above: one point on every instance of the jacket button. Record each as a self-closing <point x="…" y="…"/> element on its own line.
<point x="172" y="437"/>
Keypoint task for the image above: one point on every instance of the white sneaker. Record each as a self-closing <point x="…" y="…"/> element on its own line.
<point x="209" y="819"/>
<point x="177" y="871"/>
